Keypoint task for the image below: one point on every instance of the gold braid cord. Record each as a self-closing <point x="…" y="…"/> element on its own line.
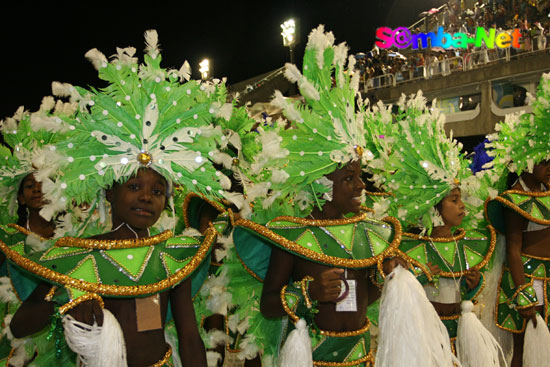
<point x="165" y="361"/>
<point x="87" y="297"/>
<point x="25" y="231"/>
<point x="90" y="243"/>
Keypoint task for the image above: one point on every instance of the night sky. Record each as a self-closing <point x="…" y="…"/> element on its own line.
<point x="42" y="42"/>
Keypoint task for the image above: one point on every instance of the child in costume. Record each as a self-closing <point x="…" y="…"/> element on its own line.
<point x="229" y="298"/>
<point x="147" y="129"/>
<point x="307" y="237"/>
<point x="22" y="224"/>
<point x="522" y="214"/>
<point x="428" y="177"/>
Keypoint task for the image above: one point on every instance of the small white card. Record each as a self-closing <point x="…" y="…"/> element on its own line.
<point x="348" y="304"/>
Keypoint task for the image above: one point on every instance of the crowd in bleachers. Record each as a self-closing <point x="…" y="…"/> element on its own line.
<point x="386" y="66"/>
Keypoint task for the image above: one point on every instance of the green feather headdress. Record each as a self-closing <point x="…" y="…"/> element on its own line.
<point x="522" y="140"/>
<point x="24" y="146"/>
<point x="423" y="164"/>
<point x="146" y="116"/>
<point x="326" y="132"/>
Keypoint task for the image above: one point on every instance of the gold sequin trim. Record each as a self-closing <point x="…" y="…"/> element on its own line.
<point x="304" y="285"/>
<point x="90" y="243"/>
<point x="287" y="309"/>
<point x="459" y="237"/>
<point x="322" y="258"/>
<point x="371" y="193"/>
<point x="516" y="208"/>
<point x="49" y="296"/>
<point x="535" y="257"/>
<point x="10" y="355"/>
<point x="165" y="361"/>
<point x="187" y="201"/>
<point x="25" y="231"/>
<point x="86" y="297"/>
<point x="368" y="360"/>
<point x="344" y="334"/>
<point x="113" y="290"/>
<point x="452" y="317"/>
<point x="320" y="222"/>
<point x="366" y="209"/>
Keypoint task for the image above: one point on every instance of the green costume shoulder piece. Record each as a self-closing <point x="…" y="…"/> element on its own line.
<point x="468" y="250"/>
<point x="192" y="205"/>
<point x="123" y="268"/>
<point x="533" y="206"/>
<point x="356" y="242"/>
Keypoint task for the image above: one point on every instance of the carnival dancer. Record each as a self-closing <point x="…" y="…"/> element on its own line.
<point x="228" y="301"/>
<point x="428" y="180"/>
<point x="149" y="128"/>
<point x="522" y="214"/>
<point x="307" y="237"/>
<point x="22" y="225"/>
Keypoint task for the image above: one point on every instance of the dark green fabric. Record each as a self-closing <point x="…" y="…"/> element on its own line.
<point x="452" y="327"/>
<point x="253" y="250"/>
<point x="494" y="212"/>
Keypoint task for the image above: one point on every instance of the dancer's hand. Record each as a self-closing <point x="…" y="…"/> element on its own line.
<point x="529" y="314"/>
<point x="391" y="263"/>
<point x="88" y="312"/>
<point x="434" y="269"/>
<point x="327" y="285"/>
<point x="472" y="279"/>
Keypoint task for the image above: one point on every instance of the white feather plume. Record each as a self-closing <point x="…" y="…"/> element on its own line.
<point x="97" y="59"/>
<point x="48" y="123"/>
<point x="235" y="198"/>
<point x="223" y="110"/>
<point x="65" y="90"/>
<point x="279" y="175"/>
<point x="218" y="337"/>
<point x="151" y="43"/>
<point x="222" y="158"/>
<point x="249" y="349"/>
<point x="126" y="55"/>
<point x="7" y="293"/>
<point x="292" y="73"/>
<point x="185" y="71"/>
<point x="35" y="243"/>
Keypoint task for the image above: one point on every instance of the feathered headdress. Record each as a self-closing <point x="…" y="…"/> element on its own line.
<point x="146" y="116"/>
<point x="23" y="146"/>
<point x="423" y="165"/>
<point x="522" y="140"/>
<point x="322" y="134"/>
